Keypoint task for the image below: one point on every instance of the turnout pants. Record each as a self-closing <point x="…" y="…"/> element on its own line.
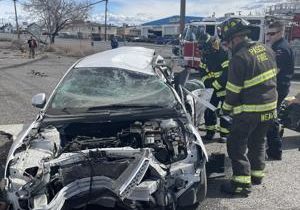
<point x="210" y="118"/>
<point x="246" y="145"/>
<point x="274" y="140"/>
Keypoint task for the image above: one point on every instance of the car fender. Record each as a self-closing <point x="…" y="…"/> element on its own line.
<point x="18" y="142"/>
<point x="198" y="141"/>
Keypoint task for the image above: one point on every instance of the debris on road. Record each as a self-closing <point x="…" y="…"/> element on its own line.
<point x="38" y="74"/>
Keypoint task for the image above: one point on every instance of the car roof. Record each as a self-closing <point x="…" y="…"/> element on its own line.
<point x="131" y="58"/>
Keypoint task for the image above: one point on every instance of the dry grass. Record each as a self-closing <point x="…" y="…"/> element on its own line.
<point x="75" y="50"/>
<point x="18" y="45"/>
<point x="79" y="49"/>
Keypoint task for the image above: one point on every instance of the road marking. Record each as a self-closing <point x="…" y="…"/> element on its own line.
<point x="13" y="129"/>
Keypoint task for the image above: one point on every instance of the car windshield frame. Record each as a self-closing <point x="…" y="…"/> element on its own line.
<point x="118" y="87"/>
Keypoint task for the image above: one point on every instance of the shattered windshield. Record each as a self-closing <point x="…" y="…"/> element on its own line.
<point x="85" y="88"/>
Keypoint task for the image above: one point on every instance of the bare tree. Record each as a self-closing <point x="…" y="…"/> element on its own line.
<point x="57" y="14"/>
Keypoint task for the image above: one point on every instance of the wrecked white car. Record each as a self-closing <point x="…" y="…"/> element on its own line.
<point x="114" y="133"/>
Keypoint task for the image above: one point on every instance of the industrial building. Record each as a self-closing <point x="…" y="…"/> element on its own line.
<point x="165" y="27"/>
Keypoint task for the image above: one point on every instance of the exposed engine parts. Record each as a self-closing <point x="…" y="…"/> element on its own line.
<point x="125" y="161"/>
<point x="165" y="137"/>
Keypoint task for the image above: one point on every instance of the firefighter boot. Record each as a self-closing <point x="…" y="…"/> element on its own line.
<point x="274" y="155"/>
<point x="257" y="176"/>
<point x="235" y="188"/>
<point x="223" y="138"/>
<point x="209" y="135"/>
<point x="256" y="180"/>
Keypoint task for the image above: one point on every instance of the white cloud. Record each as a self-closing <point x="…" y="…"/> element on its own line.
<point x="156" y="9"/>
<point x="141" y="11"/>
<point x="8" y="13"/>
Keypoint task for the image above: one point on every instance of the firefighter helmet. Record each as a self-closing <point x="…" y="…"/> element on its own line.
<point x="208" y="44"/>
<point x="234" y="26"/>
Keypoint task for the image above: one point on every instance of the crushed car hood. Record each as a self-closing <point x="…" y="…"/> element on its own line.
<point x="132" y="58"/>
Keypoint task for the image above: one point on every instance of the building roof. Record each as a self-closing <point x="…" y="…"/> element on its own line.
<point x="4" y="26"/>
<point x="137" y="59"/>
<point x="172" y="20"/>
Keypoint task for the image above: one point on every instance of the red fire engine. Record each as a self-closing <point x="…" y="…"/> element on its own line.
<point x="295" y="29"/>
<point x="190" y="46"/>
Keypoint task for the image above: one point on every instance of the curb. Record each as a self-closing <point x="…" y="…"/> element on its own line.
<point x="24" y="63"/>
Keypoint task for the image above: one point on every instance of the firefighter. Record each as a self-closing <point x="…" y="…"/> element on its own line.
<point x="285" y="63"/>
<point x="251" y="98"/>
<point x="213" y="72"/>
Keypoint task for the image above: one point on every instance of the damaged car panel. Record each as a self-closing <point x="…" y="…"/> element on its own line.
<point x="113" y="133"/>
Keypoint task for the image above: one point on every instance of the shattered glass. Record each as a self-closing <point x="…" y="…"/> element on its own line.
<point x="90" y="87"/>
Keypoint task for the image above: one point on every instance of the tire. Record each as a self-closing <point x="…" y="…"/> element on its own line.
<point x="201" y="191"/>
<point x="198" y="191"/>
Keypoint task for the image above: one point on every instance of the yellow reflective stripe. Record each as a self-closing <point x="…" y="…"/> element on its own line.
<point x="238" y="189"/>
<point x="254" y="108"/>
<point x="221" y="93"/>
<point x="242" y="179"/>
<point x="225" y="64"/>
<point x="227" y="107"/>
<point x="216" y="85"/>
<point x="208" y="76"/>
<point x="202" y="65"/>
<point x="223" y="130"/>
<point x="260" y="78"/>
<point x="211" y="74"/>
<point x="258" y="173"/>
<point x="233" y="88"/>
<point x="210" y="127"/>
<point x="217" y="74"/>
<point x="203" y="79"/>
<point x="268" y="116"/>
<point x="252" y="82"/>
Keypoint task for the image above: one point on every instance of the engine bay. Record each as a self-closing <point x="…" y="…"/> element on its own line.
<point x="165" y="137"/>
<point x="104" y="153"/>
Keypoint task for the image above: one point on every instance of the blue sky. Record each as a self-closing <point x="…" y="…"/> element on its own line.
<point x="141" y="11"/>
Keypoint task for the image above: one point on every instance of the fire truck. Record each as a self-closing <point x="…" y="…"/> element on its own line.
<point x="294" y="39"/>
<point x="189" y="42"/>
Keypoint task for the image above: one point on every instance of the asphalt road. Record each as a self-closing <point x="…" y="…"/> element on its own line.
<point x="281" y="189"/>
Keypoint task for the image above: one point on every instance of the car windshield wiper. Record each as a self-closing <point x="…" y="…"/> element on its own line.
<point x="77" y="111"/>
<point x="124" y="106"/>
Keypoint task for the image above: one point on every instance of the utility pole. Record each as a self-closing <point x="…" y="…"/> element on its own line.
<point x="182" y="15"/>
<point x="16" y="15"/>
<point x="105" y="29"/>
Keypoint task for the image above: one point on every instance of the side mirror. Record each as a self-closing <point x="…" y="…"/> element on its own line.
<point x="39" y="100"/>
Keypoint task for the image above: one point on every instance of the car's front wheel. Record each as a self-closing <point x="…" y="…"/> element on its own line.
<point x="196" y="194"/>
<point x="202" y="188"/>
